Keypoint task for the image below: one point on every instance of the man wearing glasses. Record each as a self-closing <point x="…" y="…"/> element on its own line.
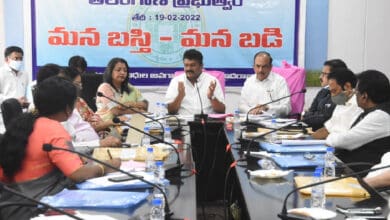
<point x="264" y="86"/>
<point x="13" y="81"/>
<point x="322" y="106"/>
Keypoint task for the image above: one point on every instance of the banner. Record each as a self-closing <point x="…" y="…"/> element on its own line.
<point x="152" y="35"/>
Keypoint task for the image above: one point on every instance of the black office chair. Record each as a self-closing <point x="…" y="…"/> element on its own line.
<point x="10" y="108"/>
<point x="91" y="82"/>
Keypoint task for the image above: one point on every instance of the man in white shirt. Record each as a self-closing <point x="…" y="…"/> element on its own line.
<point x="13" y="81"/>
<point x="189" y="92"/>
<point x="342" y="82"/>
<point x="264" y="86"/>
<point x="369" y="135"/>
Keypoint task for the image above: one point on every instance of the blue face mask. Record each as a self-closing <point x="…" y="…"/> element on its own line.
<point x="339" y="99"/>
<point x="15" y="64"/>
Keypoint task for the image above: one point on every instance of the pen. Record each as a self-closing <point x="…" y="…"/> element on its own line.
<point x="109" y="154"/>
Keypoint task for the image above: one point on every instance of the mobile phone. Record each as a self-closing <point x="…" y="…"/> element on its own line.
<point x="124" y="178"/>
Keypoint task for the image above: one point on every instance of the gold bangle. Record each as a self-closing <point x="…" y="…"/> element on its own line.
<point x="101" y="168"/>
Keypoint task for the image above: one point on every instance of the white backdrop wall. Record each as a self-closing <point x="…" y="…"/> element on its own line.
<point x="359" y="33"/>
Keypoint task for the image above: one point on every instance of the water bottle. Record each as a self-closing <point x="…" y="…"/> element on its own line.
<point x="156" y="212"/>
<point x="329" y="168"/>
<point x="164" y="109"/>
<point x="159" y="173"/>
<point x="273" y="135"/>
<point x="149" y="160"/>
<point x="168" y="135"/>
<point x="159" y="177"/>
<point x="317" y="192"/>
<point x="236" y="124"/>
<point x="157" y="112"/>
<point x="145" y="139"/>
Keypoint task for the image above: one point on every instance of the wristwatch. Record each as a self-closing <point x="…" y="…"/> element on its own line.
<point x="212" y="97"/>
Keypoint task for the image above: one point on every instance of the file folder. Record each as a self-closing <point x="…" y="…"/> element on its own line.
<point x="95" y="199"/>
<point x="279" y="148"/>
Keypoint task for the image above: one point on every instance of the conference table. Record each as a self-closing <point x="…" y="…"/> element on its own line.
<point x="255" y="198"/>
<point x="181" y="192"/>
<point x="217" y="179"/>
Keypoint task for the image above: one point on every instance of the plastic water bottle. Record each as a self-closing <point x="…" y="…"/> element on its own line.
<point x="164" y="109"/>
<point x="167" y="135"/>
<point x="273" y="135"/>
<point x="329" y="168"/>
<point x="159" y="173"/>
<point x="317" y="192"/>
<point x="236" y="124"/>
<point x="149" y="160"/>
<point x="146" y="139"/>
<point x="159" y="176"/>
<point x="157" y="112"/>
<point x="156" y="212"/>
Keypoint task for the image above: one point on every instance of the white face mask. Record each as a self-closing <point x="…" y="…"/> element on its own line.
<point x="15" y="64"/>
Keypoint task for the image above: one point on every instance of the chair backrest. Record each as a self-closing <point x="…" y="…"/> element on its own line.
<point x="217" y="74"/>
<point x="91" y="82"/>
<point x="296" y="78"/>
<point x="10" y="109"/>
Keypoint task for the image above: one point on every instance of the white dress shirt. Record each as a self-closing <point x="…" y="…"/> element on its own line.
<point x="374" y="125"/>
<point x="343" y="116"/>
<point x="12" y="85"/>
<point x="256" y="92"/>
<point x="82" y="133"/>
<point x="191" y="104"/>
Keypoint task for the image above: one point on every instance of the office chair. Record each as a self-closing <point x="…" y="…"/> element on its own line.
<point x="10" y="108"/>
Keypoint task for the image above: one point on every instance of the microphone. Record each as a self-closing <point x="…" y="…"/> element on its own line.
<point x="202" y="116"/>
<point x="276" y="100"/>
<point x="284" y="214"/>
<point x="100" y="94"/>
<point x="15" y="192"/>
<point x="179" y="165"/>
<point x="49" y="147"/>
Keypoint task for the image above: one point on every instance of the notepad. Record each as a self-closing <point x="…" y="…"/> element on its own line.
<point x="134" y="137"/>
<point x="95" y="199"/>
<point x="278" y="148"/>
<point x="348" y="187"/>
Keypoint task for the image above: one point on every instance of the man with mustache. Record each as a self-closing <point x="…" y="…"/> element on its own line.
<point x="342" y="82"/>
<point x="264" y="86"/>
<point x="322" y="107"/>
<point x="189" y="92"/>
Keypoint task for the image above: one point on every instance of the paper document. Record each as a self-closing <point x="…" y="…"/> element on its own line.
<point x="134" y="137"/>
<point x="303" y="142"/>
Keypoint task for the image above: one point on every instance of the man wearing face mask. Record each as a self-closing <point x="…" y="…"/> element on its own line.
<point x="342" y="82"/>
<point x="322" y="107"/>
<point x="13" y="81"/>
<point x="368" y="137"/>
